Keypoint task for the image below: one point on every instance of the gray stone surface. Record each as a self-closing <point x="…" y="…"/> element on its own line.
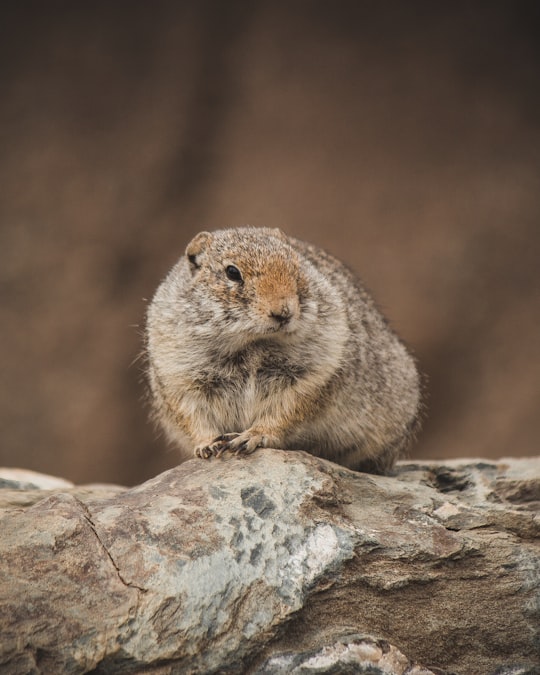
<point x="350" y="654"/>
<point x="276" y="563"/>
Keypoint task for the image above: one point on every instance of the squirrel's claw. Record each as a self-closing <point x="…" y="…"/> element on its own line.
<point x="248" y="441"/>
<point x="237" y="444"/>
<point x="216" y="447"/>
<point x="212" y="449"/>
<point x="202" y="451"/>
<point x="247" y="446"/>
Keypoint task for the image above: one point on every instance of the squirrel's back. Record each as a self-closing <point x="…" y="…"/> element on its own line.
<point x="257" y="339"/>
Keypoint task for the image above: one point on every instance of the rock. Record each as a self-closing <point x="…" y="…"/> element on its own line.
<point x="21" y="487"/>
<point x="24" y="479"/>
<point x="277" y="563"/>
<point x="355" y="653"/>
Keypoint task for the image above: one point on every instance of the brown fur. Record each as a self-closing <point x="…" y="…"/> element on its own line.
<point x="292" y="354"/>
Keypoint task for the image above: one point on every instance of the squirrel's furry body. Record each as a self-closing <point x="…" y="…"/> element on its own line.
<point x="258" y="339"/>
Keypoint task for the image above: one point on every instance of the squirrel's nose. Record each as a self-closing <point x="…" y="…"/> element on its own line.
<point x="283" y="310"/>
<point x="283" y="314"/>
<point x="282" y="317"/>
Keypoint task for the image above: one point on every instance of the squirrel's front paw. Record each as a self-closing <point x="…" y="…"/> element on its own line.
<point x="212" y="449"/>
<point x="248" y="441"/>
<point x="215" y="447"/>
<point x="238" y="444"/>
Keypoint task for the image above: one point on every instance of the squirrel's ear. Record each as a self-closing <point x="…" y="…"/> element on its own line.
<point x="279" y="233"/>
<point x="195" y="247"/>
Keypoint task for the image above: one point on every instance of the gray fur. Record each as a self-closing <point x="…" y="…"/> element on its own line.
<point x="295" y="356"/>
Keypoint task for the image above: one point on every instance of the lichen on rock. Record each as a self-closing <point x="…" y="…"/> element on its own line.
<point x="277" y="562"/>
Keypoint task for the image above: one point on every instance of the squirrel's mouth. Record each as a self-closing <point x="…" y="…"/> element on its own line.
<point x="271" y="325"/>
<point x="281" y="328"/>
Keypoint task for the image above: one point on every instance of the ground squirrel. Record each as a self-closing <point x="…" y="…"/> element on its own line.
<point x="256" y="339"/>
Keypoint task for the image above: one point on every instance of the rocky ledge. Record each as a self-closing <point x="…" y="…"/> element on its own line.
<point x="275" y="563"/>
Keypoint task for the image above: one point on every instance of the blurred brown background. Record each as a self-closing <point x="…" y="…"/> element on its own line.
<point x="402" y="136"/>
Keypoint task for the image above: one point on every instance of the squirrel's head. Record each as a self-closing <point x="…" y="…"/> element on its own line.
<point x="249" y="279"/>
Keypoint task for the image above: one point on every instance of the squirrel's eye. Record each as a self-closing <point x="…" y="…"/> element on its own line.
<point x="233" y="273"/>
